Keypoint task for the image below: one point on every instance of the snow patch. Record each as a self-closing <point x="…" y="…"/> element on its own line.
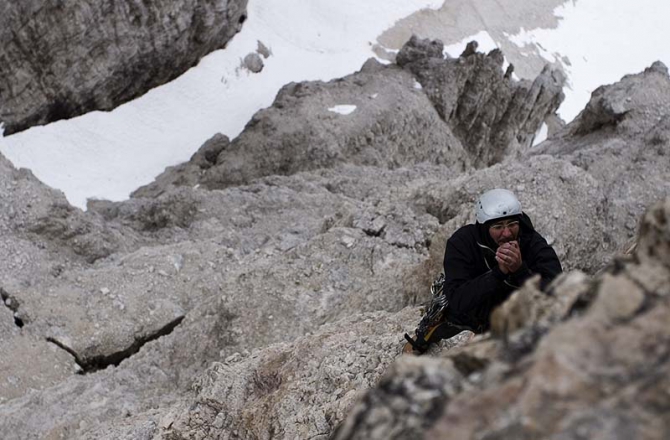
<point x="107" y="155"/>
<point x="343" y="109"/>
<point x="541" y="134"/>
<point x="597" y="45"/>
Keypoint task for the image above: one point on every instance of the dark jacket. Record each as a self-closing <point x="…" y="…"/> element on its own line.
<point x="474" y="284"/>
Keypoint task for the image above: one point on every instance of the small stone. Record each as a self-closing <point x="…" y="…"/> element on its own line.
<point x="263" y="50"/>
<point x="105" y="291"/>
<point x="348" y="241"/>
<point x="253" y="62"/>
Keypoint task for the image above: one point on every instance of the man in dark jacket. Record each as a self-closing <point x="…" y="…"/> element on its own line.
<point x="486" y="261"/>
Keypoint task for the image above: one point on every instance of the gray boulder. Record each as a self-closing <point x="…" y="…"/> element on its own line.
<point x="63" y="59"/>
<point x="381" y="117"/>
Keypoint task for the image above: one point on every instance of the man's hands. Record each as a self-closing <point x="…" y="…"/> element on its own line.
<point x="509" y="257"/>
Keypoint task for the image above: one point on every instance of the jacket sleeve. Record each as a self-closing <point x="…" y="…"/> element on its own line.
<point x="542" y="259"/>
<point x="465" y="289"/>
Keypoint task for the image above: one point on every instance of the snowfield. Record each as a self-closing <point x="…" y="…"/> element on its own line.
<point x="109" y="154"/>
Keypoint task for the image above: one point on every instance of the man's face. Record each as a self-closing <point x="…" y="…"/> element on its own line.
<point x="504" y="231"/>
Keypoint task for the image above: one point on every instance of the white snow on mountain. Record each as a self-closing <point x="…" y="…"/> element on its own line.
<point x="599" y="42"/>
<point x="109" y="154"/>
<point x="344" y="109"/>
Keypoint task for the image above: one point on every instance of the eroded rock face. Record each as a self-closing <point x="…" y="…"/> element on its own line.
<point x="380" y="117"/>
<point x="490" y="113"/>
<point x="280" y="287"/>
<point x="621" y="139"/>
<point x="60" y="60"/>
<point x="373" y="118"/>
<point x="605" y="346"/>
<point x="296" y="390"/>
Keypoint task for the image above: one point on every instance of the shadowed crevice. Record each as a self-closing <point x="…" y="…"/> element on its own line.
<point x="12" y="304"/>
<point x="93" y="364"/>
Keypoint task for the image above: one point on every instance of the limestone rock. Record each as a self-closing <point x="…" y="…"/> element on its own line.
<point x="274" y="271"/>
<point x="602" y="351"/>
<point x="417" y="49"/>
<point x="61" y="60"/>
<point x="654" y="241"/>
<point x="628" y="154"/>
<point x="405" y="402"/>
<point x="490" y="114"/>
<point x="253" y="62"/>
<point x="609" y="105"/>
<point x="307" y="128"/>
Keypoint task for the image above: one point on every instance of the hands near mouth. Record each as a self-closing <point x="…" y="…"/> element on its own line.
<point x="508" y="257"/>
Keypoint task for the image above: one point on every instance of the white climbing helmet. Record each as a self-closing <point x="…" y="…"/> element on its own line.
<point x="496" y="203"/>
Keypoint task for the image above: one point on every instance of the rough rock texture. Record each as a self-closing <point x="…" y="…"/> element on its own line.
<point x="188" y="173"/>
<point x="253" y="62"/>
<point x="392" y="125"/>
<point x="258" y="291"/>
<point x="491" y="114"/>
<point x="18" y="352"/>
<point x="621" y="139"/>
<point x="293" y="390"/>
<point x="567" y="365"/>
<point x="62" y="59"/>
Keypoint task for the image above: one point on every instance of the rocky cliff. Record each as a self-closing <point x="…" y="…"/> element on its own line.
<point x="261" y="290"/>
<point x="63" y="59"/>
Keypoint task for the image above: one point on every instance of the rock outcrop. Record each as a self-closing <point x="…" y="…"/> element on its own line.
<point x="260" y="289"/>
<point x="382" y="117"/>
<point x="567" y="369"/>
<point x="63" y="59"/>
<point x="621" y="139"/>
<point x="375" y="117"/>
<point x="490" y="113"/>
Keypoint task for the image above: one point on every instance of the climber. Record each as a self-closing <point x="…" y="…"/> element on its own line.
<point x="485" y="262"/>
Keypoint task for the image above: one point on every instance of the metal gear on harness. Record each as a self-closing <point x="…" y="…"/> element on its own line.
<point x="434" y="325"/>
